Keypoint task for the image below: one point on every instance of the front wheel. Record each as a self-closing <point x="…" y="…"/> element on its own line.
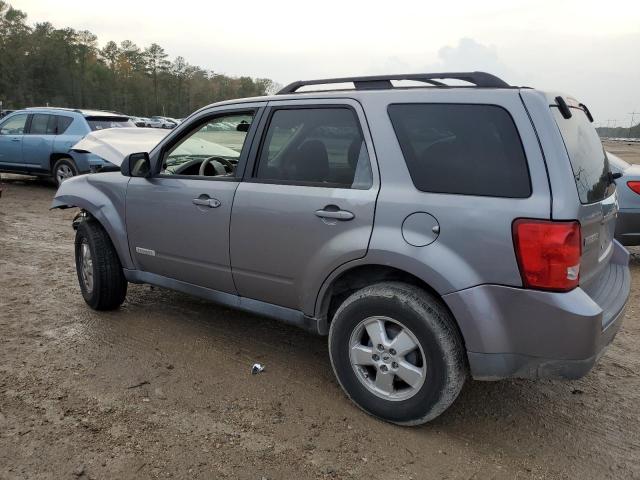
<point x="397" y="353"/>
<point x="99" y="270"/>
<point x="64" y="169"/>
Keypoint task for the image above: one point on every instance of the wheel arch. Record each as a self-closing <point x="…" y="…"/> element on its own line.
<point x="54" y="157"/>
<point x="339" y="286"/>
<point x="103" y="206"/>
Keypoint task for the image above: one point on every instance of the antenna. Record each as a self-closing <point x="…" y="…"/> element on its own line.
<point x="633" y="115"/>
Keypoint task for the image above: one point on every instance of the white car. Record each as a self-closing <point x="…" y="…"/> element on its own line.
<point x="162" y="122"/>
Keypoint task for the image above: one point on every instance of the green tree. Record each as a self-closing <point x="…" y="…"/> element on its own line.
<point x="45" y="65"/>
<point x="156" y="62"/>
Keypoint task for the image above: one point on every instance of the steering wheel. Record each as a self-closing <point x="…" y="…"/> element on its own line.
<point x="228" y="166"/>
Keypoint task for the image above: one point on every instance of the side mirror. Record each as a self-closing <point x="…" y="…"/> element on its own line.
<point x="243" y="126"/>
<point x="136" y="165"/>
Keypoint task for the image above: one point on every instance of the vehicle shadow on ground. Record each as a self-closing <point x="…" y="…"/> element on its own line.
<point x="27" y="181"/>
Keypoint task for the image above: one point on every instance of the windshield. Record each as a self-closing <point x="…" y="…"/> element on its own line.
<point x="100" y="123"/>
<point x="589" y="162"/>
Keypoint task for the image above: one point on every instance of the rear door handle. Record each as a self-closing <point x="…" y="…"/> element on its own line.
<point x="335" y="213"/>
<point x="15" y="139"/>
<point x="206" y="202"/>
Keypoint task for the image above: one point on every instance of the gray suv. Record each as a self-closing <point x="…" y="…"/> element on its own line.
<point x="433" y="232"/>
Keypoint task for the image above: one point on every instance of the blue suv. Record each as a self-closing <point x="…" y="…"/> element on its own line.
<point x="38" y="141"/>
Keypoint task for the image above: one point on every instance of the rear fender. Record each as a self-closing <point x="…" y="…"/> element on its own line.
<point x="103" y="197"/>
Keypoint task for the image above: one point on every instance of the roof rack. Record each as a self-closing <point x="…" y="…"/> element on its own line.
<point x="479" y="79"/>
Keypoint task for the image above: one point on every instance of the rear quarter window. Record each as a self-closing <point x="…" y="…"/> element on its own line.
<point x="462" y="149"/>
<point x="62" y="123"/>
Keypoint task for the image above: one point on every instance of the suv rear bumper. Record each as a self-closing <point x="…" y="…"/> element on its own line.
<point x="515" y="332"/>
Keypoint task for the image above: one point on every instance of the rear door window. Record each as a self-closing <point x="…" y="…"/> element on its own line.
<point x="42" y="124"/>
<point x="462" y="149"/>
<point x="588" y="160"/>
<point x="315" y="146"/>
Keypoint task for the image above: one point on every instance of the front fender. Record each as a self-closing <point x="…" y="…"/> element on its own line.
<point x="103" y="196"/>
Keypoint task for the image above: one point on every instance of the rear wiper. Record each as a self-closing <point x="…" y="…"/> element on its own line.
<point x="586" y="110"/>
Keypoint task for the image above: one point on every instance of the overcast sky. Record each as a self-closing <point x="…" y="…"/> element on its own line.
<point x="590" y="49"/>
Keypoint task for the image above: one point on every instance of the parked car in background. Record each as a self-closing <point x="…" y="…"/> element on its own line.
<point x="433" y="233"/>
<point x="628" y="224"/>
<point x="38" y="141"/>
<point x="140" y="121"/>
<point x="162" y="122"/>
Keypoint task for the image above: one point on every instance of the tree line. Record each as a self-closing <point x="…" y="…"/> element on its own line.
<point x="42" y="65"/>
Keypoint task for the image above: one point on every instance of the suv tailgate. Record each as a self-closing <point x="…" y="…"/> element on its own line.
<point x="596" y="191"/>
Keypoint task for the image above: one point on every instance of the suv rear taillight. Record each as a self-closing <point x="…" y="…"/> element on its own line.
<point x="635" y="186"/>
<point x="548" y="253"/>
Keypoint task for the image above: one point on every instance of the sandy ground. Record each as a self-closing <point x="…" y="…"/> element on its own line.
<point x="161" y="388"/>
<point x="628" y="151"/>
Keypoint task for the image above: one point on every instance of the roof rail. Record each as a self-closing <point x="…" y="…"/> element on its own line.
<point x="48" y="108"/>
<point x="479" y="79"/>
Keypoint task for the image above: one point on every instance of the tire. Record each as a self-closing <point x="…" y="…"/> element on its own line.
<point x="63" y="169"/>
<point x="108" y="287"/>
<point x="438" y="353"/>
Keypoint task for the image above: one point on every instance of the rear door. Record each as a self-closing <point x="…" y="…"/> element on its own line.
<point x="307" y="203"/>
<point x="37" y="144"/>
<point x="596" y="190"/>
<point x="12" y="131"/>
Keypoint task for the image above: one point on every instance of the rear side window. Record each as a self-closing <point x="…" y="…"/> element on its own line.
<point x="462" y="149"/>
<point x="62" y="124"/>
<point x="100" y="123"/>
<point x="315" y="146"/>
<point x="588" y="160"/>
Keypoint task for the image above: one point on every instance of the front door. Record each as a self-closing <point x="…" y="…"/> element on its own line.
<point x="37" y="144"/>
<point x="307" y="205"/>
<point x="11" y="134"/>
<point x="178" y="220"/>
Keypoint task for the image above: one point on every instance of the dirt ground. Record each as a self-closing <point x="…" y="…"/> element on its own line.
<point x="162" y="388"/>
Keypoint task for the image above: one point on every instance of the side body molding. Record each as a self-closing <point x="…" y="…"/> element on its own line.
<point x="103" y="196"/>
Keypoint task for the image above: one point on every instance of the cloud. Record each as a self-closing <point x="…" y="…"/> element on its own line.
<point x="466" y="56"/>
<point x="470" y="55"/>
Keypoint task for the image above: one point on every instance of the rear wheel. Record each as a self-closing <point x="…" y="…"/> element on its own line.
<point x="397" y="353"/>
<point x="64" y="169"/>
<point x="99" y="270"/>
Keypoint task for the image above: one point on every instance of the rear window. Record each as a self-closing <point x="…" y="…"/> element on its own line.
<point x="462" y="149"/>
<point x="588" y="160"/>
<point x="100" y="123"/>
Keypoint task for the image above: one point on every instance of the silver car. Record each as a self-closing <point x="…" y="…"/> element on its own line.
<point x="628" y="223"/>
<point x="435" y="233"/>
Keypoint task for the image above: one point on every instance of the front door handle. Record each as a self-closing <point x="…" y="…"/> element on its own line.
<point x="331" y="211"/>
<point x="15" y="139"/>
<point x="206" y="202"/>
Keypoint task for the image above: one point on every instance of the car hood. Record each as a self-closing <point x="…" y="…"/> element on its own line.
<point x="114" y="144"/>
